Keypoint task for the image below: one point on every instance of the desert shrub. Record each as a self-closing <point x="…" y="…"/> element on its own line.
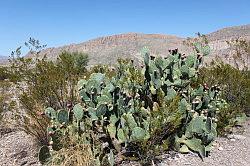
<point x="7" y="98"/>
<point x="43" y="83"/>
<point x="104" y="69"/>
<point x="50" y="83"/>
<point x="4" y="73"/>
<point x="140" y="112"/>
<point x="235" y="85"/>
<point x="6" y="103"/>
<point x="3" y="76"/>
<point x="3" y="96"/>
<point x="234" y="80"/>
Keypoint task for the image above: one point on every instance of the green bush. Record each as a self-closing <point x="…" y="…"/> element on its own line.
<point x="6" y="91"/>
<point x="235" y="85"/>
<point x="4" y="73"/>
<point x="6" y="103"/>
<point x="43" y="83"/>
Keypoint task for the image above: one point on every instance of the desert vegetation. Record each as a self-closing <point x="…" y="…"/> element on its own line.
<point x="106" y="115"/>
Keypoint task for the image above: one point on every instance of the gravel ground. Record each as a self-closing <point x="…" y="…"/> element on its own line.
<point x="231" y="151"/>
<point x="17" y="149"/>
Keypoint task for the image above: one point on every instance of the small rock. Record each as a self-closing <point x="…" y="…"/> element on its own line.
<point x="23" y="163"/>
<point x="239" y="137"/>
<point x="220" y="148"/>
<point x="215" y="144"/>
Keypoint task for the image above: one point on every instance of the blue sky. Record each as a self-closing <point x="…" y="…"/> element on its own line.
<point x="60" y="22"/>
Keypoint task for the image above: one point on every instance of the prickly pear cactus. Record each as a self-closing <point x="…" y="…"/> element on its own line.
<point x="63" y="116"/>
<point x="44" y="154"/>
<point x="78" y="112"/>
<point x="129" y="107"/>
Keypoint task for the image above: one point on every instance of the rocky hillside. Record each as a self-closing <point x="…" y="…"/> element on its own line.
<point x="3" y="57"/>
<point x="105" y="50"/>
<point x="218" y="40"/>
<point x="230" y="32"/>
<point x="3" y="60"/>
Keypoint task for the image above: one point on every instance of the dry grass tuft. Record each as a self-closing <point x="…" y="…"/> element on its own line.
<point x="78" y="155"/>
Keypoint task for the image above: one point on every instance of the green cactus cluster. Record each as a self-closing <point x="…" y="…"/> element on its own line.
<point x="173" y="76"/>
<point x="118" y="111"/>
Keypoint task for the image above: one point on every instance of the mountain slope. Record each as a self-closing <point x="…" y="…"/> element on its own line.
<point x="106" y="50"/>
<point x="219" y="46"/>
<point x="230" y="32"/>
<point x="3" y="60"/>
<point x="3" y="57"/>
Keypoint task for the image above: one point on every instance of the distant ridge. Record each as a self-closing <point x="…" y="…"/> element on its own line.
<point x="217" y="41"/>
<point x="1" y="56"/>
<point x="106" y="50"/>
<point x="3" y="60"/>
<point x="230" y="32"/>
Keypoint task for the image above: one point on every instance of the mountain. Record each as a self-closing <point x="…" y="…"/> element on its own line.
<point x="218" y="42"/>
<point x="3" y="60"/>
<point x="106" y="50"/>
<point x="2" y="57"/>
<point x="230" y="32"/>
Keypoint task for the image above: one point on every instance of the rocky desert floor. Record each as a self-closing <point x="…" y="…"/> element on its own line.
<point x="19" y="149"/>
<point x="233" y="150"/>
